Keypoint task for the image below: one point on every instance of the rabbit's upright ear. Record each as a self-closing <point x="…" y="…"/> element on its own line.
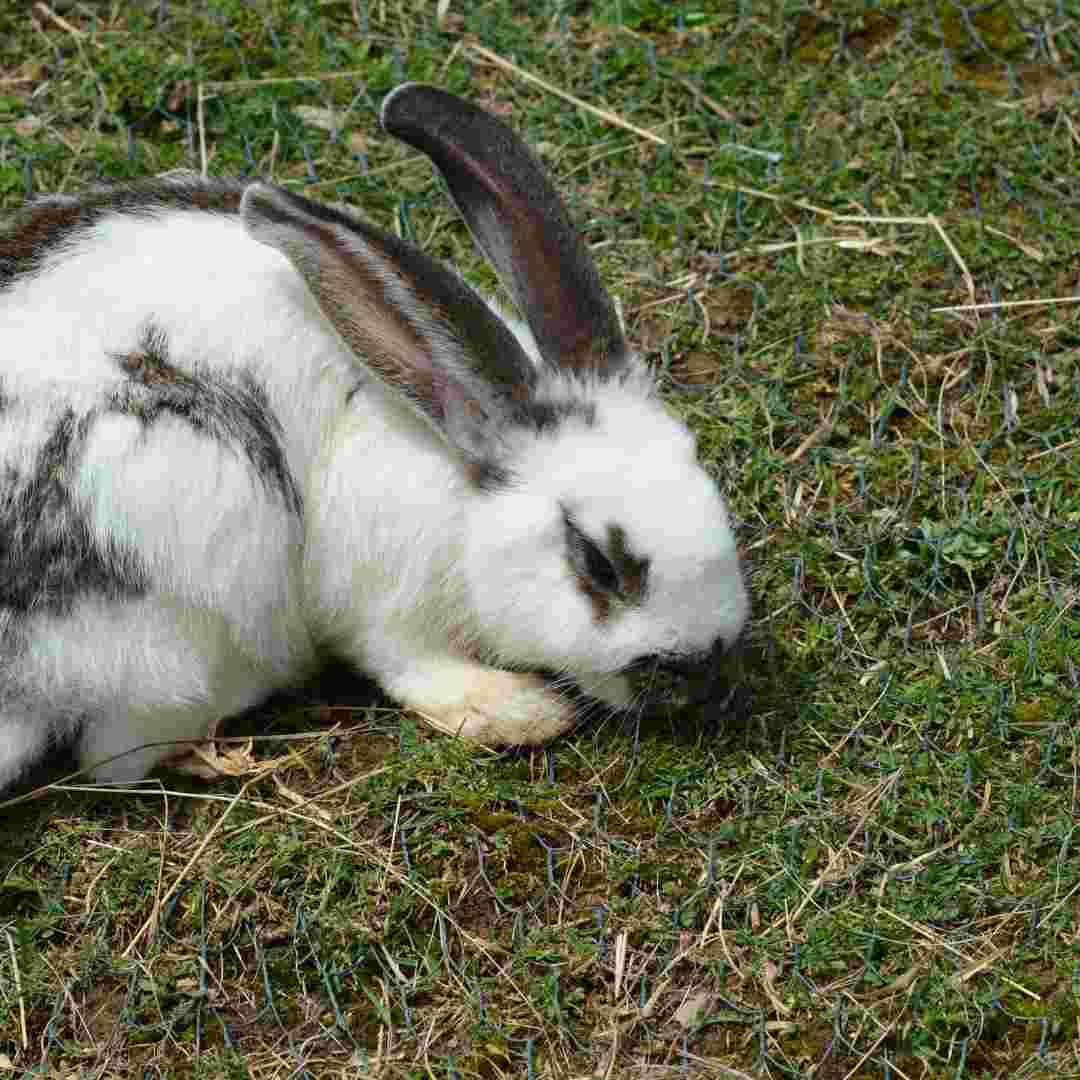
<point x="408" y="319"/>
<point x="519" y="223"/>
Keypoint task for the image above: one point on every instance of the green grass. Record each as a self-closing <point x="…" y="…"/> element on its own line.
<point x="872" y="874"/>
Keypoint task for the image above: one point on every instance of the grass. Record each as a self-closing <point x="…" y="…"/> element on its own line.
<point x="874" y="872"/>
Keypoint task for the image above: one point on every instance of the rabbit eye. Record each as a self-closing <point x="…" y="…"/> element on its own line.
<point x="596" y="570"/>
<point x="599" y="567"/>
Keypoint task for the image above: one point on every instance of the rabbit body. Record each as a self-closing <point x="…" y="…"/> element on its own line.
<point x="239" y="431"/>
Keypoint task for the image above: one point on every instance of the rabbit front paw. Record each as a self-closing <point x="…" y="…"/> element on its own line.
<point x="489" y="705"/>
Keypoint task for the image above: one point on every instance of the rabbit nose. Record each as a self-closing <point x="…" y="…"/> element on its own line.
<point x="706" y="675"/>
<point x="685" y="665"/>
<point x="702" y="674"/>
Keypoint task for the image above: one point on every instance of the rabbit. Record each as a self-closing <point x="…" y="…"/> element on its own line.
<point x="241" y="431"/>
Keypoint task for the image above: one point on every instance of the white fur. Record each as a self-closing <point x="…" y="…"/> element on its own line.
<point x="399" y="565"/>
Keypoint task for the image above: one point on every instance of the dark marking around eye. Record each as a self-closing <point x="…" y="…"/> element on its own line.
<point x="607" y="578"/>
<point x="578" y="548"/>
<point x="600" y="599"/>
<point x="633" y="570"/>
<point x="599" y="567"/>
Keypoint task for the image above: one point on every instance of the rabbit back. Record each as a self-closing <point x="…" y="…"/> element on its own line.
<point x="152" y="454"/>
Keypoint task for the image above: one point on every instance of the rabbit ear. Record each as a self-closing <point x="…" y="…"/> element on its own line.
<point x="405" y="317"/>
<point x="519" y="223"/>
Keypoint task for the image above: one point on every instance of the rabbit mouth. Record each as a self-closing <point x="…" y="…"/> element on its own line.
<point x="709" y="678"/>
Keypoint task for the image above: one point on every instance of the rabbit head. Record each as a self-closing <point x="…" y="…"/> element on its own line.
<point x="592" y="542"/>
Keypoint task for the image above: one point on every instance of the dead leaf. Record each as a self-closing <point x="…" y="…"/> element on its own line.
<point x="323" y="119"/>
<point x="194" y="764"/>
<point x="358" y="142"/>
<point x="499" y="106"/>
<point x="208" y="762"/>
<point x="873" y="245"/>
<point x="181" y="93"/>
<point x="300" y="800"/>
<point x="768" y="976"/>
<point x="830" y="122"/>
<point x="694" y="1009"/>
<point x="29" y="125"/>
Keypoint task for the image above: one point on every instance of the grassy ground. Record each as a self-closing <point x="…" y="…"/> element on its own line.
<point x="873" y="874"/>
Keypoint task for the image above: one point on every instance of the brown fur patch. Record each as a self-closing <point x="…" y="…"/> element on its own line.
<point x="486" y="475"/>
<point x="149" y="363"/>
<point x="633" y="571"/>
<point x="41" y="227"/>
<point x="34" y="233"/>
<point x="601" y="601"/>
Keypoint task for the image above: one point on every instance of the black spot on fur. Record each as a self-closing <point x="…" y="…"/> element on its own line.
<point x="230" y="407"/>
<point x="51" y="223"/>
<point x="549" y="415"/>
<point x="48" y="553"/>
<point x="488" y="476"/>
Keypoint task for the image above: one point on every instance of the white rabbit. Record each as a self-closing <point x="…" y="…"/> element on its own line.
<point x="241" y="431"/>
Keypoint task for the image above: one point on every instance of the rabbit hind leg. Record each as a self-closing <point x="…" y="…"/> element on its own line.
<point x="142" y="680"/>
<point x="24" y="742"/>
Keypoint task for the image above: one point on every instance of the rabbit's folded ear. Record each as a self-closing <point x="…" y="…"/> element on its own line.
<point x="519" y="223"/>
<point x="408" y="319"/>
